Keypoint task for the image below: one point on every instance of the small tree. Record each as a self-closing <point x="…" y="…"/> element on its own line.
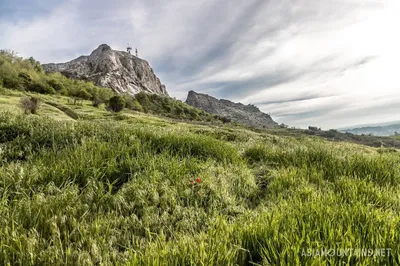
<point x="314" y="128"/>
<point x="36" y="65"/>
<point x="10" y="55"/>
<point x="29" y="105"/>
<point x="116" y="103"/>
<point x="79" y="95"/>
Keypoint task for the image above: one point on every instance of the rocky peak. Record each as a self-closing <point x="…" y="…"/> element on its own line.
<point x="101" y="50"/>
<point x="118" y="70"/>
<point x="103" y="47"/>
<point x="245" y="114"/>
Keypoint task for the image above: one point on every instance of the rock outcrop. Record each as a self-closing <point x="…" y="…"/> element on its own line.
<point x="120" y="71"/>
<point x="245" y="114"/>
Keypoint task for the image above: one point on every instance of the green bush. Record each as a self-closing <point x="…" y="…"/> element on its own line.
<point x="12" y="82"/>
<point x="144" y="101"/>
<point x="35" y="64"/>
<point x="116" y="103"/>
<point x="225" y="120"/>
<point x="40" y="87"/>
<point x="10" y="78"/>
<point x="136" y="106"/>
<point x="56" y="84"/>
<point x="25" y="77"/>
<point x="96" y="102"/>
<point x="100" y="95"/>
<point x="83" y="94"/>
<point x="133" y="104"/>
<point x="128" y="101"/>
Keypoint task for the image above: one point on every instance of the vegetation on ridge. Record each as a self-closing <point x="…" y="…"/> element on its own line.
<point x="27" y="75"/>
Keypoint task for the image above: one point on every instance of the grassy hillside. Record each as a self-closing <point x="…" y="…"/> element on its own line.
<point x="334" y="135"/>
<point x="152" y="185"/>
<point x="131" y="188"/>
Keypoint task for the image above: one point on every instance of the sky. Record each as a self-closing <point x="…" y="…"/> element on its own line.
<point x="325" y="63"/>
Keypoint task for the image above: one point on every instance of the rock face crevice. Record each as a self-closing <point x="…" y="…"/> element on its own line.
<point x="245" y="114"/>
<point x="120" y="71"/>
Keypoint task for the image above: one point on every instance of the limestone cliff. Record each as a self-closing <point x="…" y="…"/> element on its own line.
<point x="245" y="114"/>
<point x="120" y="71"/>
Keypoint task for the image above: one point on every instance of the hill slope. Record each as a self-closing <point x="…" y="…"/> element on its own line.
<point x="80" y="185"/>
<point x="120" y="71"/>
<point x="133" y="189"/>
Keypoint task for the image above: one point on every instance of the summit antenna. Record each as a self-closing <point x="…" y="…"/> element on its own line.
<point x="129" y="49"/>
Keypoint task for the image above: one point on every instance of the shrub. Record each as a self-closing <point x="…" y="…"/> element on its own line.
<point x="137" y="106"/>
<point x="283" y="125"/>
<point x="225" y="120"/>
<point x="144" y="101"/>
<point x="12" y="83"/>
<point x="55" y="84"/>
<point x="29" y="105"/>
<point x="116" y="103"/>
<point x="25" y="77"/>
<point x="96" y="102"/>
<point x="133" y="104"/>
<point x="100" y="95"/>
<point x="128" y="100"/>
<point x="311" y="128"/>
<point x="178" y="110"/>
<point x="35" y="64"/>
<point x="41" y="88"/>
<point x="83" y="94"/>
<point x="10" y="77"/>
<point x="2" y="90"/>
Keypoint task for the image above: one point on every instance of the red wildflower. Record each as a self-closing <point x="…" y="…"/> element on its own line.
<point x="198" y="180"/>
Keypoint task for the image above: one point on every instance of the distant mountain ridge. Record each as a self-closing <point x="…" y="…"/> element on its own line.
<point x="245" y="114"/>
<point x="118" y="70"/>
<point x="388" y="130"/>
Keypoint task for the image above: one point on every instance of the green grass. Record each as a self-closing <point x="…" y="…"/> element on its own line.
<point x="82" y="186"/>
